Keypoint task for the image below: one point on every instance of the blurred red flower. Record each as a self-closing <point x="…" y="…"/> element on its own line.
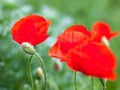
<point x="83" y="51"/>
<point x="100" y="29"/>
<point x="92" y="58"/>
<point x="72" y="36"/>
<point x="32" y="29"/>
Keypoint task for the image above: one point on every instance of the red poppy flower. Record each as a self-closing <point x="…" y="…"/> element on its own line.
<point x="100" y="29"/>
<point x="84" y="52"/>
<point x="31" y="29"/>
<point x="92" y="58"/>
<point x="69" y="39"/>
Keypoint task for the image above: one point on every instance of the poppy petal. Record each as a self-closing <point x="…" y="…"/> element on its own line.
<point x="65" y="42"/>
<point x="94" y="59"/>
<point x="78" y="28"/>
<point x="100" y="29"/>
<point x="69" y="40"/>
<point x="56" y="51"/>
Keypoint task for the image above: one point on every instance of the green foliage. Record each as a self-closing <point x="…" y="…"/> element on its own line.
<point x="62" y="13"/>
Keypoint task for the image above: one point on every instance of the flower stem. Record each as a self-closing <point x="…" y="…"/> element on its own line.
<point x="92" y="83"/>
<point x="75" y="80"/>
<point x="29" y="70"/>
<point x="38" y="85"/>
<point x="43" y="67"/>
<point x="103" y="82"/>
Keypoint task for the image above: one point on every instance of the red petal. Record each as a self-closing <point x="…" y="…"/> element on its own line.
<point x="92" y="59"/>
<point x="78" y="28"/>
<point x="69" y="40"/>
<point x="38" y="33"/>
<point x="65" y="42"/>
<point x="100" y="29"/>
<point x="31" y="29"/>
<point x="113" y="34"/>
<point x="56" y="51"/>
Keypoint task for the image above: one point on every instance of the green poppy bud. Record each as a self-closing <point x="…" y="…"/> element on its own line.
<point x="39" y="73"/>
<point x="28" y="48"/>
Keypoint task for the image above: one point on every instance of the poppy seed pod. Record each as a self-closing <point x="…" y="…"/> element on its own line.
<point x="39" y="73"/>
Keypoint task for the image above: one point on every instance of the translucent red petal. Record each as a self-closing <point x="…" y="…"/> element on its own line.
<point x="92" y="59"/>
<point x="69" y="40"/>
<point x="71" y="37"/>
<point x="57" y="51"/>
<point x="65" y="42"/>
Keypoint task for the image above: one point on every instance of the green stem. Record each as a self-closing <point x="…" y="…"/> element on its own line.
<point x="43" y="67"/>
<point x="29" y="69"/>
<point x="103" y="82"/>
<point x="38" y="85"/>
<point x="75" y="80"/>
<point x="92" y="83"/>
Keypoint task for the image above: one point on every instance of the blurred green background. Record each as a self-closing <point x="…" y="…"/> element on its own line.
<point x="62" y="13"/>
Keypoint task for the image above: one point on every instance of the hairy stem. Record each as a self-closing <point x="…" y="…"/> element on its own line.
<point x="29" y="70"/>
<point x="43" y="67"/>
<point x="92" y="83"/>
<point x="103" y="82"/>
<point x="75" y="80"/>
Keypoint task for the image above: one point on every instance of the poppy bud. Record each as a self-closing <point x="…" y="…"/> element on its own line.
<point x="28" y="48"/>
<point x="56" y="67"/>
<point x="105" y="41"/>
<point x="39" y="73"/>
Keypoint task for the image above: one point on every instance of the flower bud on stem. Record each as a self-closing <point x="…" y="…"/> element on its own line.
<point x="43" y="67"/>
<point x="28" y="48"/>
<point x="39" y="73"/>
